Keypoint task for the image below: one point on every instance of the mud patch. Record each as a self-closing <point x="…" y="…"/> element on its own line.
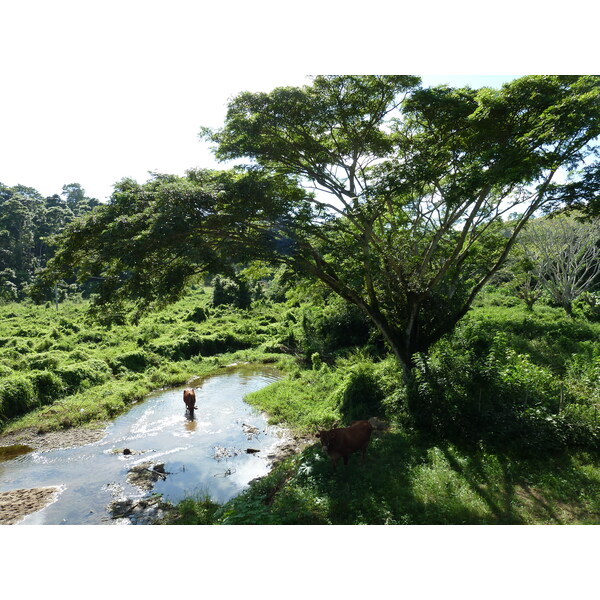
<point x="10" y="452"/>
<point x="288" y="446"/>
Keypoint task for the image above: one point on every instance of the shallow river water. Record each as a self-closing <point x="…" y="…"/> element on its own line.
<point x="205" y="455"/>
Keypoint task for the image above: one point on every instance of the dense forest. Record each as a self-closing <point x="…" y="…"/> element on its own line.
<point x="428" y="256"/>
<point x="27" y="221"/>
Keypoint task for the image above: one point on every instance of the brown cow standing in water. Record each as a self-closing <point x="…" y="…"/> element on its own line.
<point x="345" y="440"/>
<point x="189" y="397"/>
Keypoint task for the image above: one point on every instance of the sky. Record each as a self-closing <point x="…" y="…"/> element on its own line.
<point x="94" y="92"/>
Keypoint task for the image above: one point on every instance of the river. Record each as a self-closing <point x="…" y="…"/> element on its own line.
<point x="207" y="455"/>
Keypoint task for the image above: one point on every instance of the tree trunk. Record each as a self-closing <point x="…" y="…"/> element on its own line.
<point x="568" y="306"/>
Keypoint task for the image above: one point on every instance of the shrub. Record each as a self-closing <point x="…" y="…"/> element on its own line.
<point x="360" y="394"/>
<point x="335" y="326"/>
<point x="17" y="395"/>
<point x="91" y="336"/>
<point x="4" y="370"/>
<point x="232" y="292"/>
<point x="502" y="399"/>
<point x="44" y="361"/>
<point x="84" y="374"/>
<point x="588" y="306"/>
<point x="137" y="361"/>
<point x="197" y="315"/>
<point x="196" y="511"/>
<point x="195" y="344"/>
<point x="316" y="361"/>
<point x="48" y="386"/>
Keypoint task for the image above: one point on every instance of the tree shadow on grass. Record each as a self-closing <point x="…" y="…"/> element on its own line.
<point x="409" y="478"/>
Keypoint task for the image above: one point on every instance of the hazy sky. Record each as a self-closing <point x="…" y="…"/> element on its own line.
<point x="92" y="92"/>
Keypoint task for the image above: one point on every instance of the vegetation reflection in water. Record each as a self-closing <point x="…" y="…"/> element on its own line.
<point x="205" y="455"/>
<point x="10" y="452"/>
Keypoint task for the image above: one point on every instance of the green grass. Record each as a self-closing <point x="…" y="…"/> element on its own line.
<point x="410" y="479"/>
<point x="414" y="478"/>
<point x="57" y="370"/>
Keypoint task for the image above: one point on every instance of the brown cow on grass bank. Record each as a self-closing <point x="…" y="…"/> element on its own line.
<point x="341" y="442"/>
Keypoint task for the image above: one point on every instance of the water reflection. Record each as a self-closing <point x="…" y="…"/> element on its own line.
<point x="11" y="452"/>
<point x="191" y="426"/>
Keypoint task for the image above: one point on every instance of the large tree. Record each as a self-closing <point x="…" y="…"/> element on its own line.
<point x="144" y="246"/>
<point x="419" y="185"/>
<point x="390" y="194"/>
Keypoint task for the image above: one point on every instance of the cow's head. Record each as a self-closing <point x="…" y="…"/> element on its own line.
<point x="326" y="437"/>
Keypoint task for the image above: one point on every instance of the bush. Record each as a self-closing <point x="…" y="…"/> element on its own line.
<point x="48" y="386"/>
<point x="337" y="325"/>
<point x="84" y="374"/>
<point x="197" y="315"/>
<point x="196" y="511"/>
<point x="44" y="360"/>
<point x="502" y="399"/>
<point x="360" y="394"/>
<point x="4" y="370"/>
<point x="137" y="361"/>
<point x="588" y="306"/>
<point x="195" y="344"/>
<point x="17" y="396"/>
<point x="227" y="291"/>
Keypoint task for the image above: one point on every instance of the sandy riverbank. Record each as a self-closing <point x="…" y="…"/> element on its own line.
<point x="17" y="504"/>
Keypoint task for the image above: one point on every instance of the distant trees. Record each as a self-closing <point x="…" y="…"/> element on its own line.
<point x="562" y="256"/>
<point x="27" y="220"/>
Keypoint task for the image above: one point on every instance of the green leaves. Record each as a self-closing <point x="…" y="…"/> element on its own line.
<point x="152" y="239"/>
<point x="325" y="132"/>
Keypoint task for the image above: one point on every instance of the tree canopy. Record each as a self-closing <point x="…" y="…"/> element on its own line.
<point x="391" y="194"/>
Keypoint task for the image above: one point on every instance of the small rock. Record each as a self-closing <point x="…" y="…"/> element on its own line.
<point x="126" y="451"/>
<point x="145" y="475"/>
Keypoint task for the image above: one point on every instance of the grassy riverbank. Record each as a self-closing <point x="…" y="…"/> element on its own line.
<point x="409" y="477"/>
<point x="515" y="440"/>
<point x="59" y="370"/>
